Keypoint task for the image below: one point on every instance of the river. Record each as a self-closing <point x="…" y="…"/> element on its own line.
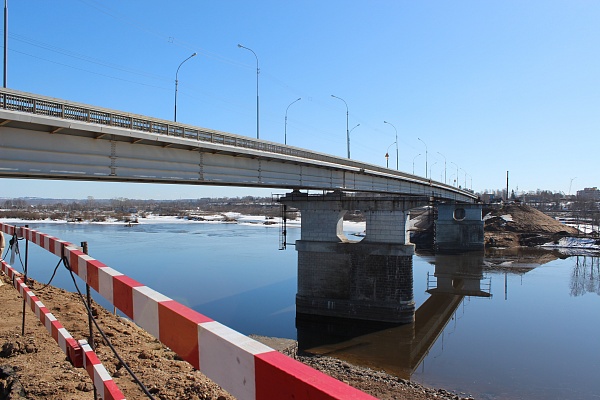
<point x="529" y="331"/>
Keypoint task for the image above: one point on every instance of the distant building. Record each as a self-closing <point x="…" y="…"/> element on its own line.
<point x="589" y="194"/>
<point x="488" y="198"/>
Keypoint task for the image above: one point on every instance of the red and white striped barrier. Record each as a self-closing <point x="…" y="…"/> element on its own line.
<point x="79" y="355"/>
<point x="106" y="387"/>
<point x="244" y="367"/>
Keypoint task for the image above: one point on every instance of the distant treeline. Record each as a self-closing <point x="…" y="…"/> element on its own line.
<point x="92" y="209"/>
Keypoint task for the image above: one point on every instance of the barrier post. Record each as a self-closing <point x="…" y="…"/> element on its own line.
<point x="84" y="246"/>
<point x="24" y="275"/>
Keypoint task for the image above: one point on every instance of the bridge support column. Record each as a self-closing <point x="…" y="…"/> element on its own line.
<point x="387" y="226"/>
<point x="367" y="280"/>
<point x="458" y="228"/>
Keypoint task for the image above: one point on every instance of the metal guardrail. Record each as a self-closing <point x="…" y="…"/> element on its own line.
<point x="25" y="102"/>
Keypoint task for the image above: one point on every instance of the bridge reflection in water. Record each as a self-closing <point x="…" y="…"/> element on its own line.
<point x="399" y="349"/>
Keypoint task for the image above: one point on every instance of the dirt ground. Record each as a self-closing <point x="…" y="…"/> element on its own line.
<point x="32" y="366"/>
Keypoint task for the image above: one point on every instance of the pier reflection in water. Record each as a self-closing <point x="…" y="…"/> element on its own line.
<point x="536" y="338"/>
<point x="399" y="349"/>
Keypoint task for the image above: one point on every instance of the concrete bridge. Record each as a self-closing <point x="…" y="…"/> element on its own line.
<point x="47" y="138"/>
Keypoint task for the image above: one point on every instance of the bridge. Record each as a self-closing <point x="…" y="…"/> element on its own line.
<point x="46" y="138"/>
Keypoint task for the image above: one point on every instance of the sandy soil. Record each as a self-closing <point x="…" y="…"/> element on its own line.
<point x="32" y="366"/>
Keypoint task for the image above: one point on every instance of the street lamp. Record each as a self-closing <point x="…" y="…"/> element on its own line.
<point x="347" y="130"/>
<point x="285" y="129"/>
<point x="425" y="156"/>
<point x="257" y="72"/>
<point x="470" y="180"/>
<point x="456" y="172"/>
<point x="444" y="166"/>
<point x="387" y="155"/>
<point x="430" y="168"/>
<point x="176" y="83"/>
<point x="414" y="158"/>
<point x="465" y="186"/>
<point x="385" y="122"/>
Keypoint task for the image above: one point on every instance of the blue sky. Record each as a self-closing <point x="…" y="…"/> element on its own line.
<point x="493" y="86"/>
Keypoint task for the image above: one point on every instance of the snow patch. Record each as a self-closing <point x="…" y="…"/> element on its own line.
<point x="574" y="243"/>
<point x="505" y="217"/>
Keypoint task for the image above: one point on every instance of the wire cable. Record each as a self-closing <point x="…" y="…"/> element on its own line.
<point x="107" y="341"/>
<point x="52" y="277"/>
<point x="86" y="70"/>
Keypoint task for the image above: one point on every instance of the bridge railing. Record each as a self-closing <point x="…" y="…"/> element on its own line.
<point x="29" y="103"/>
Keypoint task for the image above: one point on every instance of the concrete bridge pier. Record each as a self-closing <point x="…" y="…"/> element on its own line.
<point x="458" y="228"/>
<point x="367" y="280"/>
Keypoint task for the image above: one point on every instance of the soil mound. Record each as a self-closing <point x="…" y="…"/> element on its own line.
<point x="521" y="225"/>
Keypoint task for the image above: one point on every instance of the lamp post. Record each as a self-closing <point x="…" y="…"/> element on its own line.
<point x="257" y="73"/>
<point x="176" y="83"/>
<point x="347" y="130"/>
<point x="451" y="176"/>
<point x="444" y="166"/>
<point x="414" y="158"/>
<point x="465" y="172"/>
<point x="425" y="155"/>
<point x="456" y="172"/>
<point x="430" y="168"/>
<point x="396" y="130"/>
<point x="285" y="129"/>
<point x="5" y="40"/>
<point x="387" y="155"/>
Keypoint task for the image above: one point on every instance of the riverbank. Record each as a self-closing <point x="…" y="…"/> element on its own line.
<point x="32" y="366"/>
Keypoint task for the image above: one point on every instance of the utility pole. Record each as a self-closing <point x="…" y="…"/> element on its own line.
<point x="507" y="186"/>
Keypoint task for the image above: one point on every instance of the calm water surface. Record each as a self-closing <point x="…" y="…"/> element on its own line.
<point x="536" y="337"/>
